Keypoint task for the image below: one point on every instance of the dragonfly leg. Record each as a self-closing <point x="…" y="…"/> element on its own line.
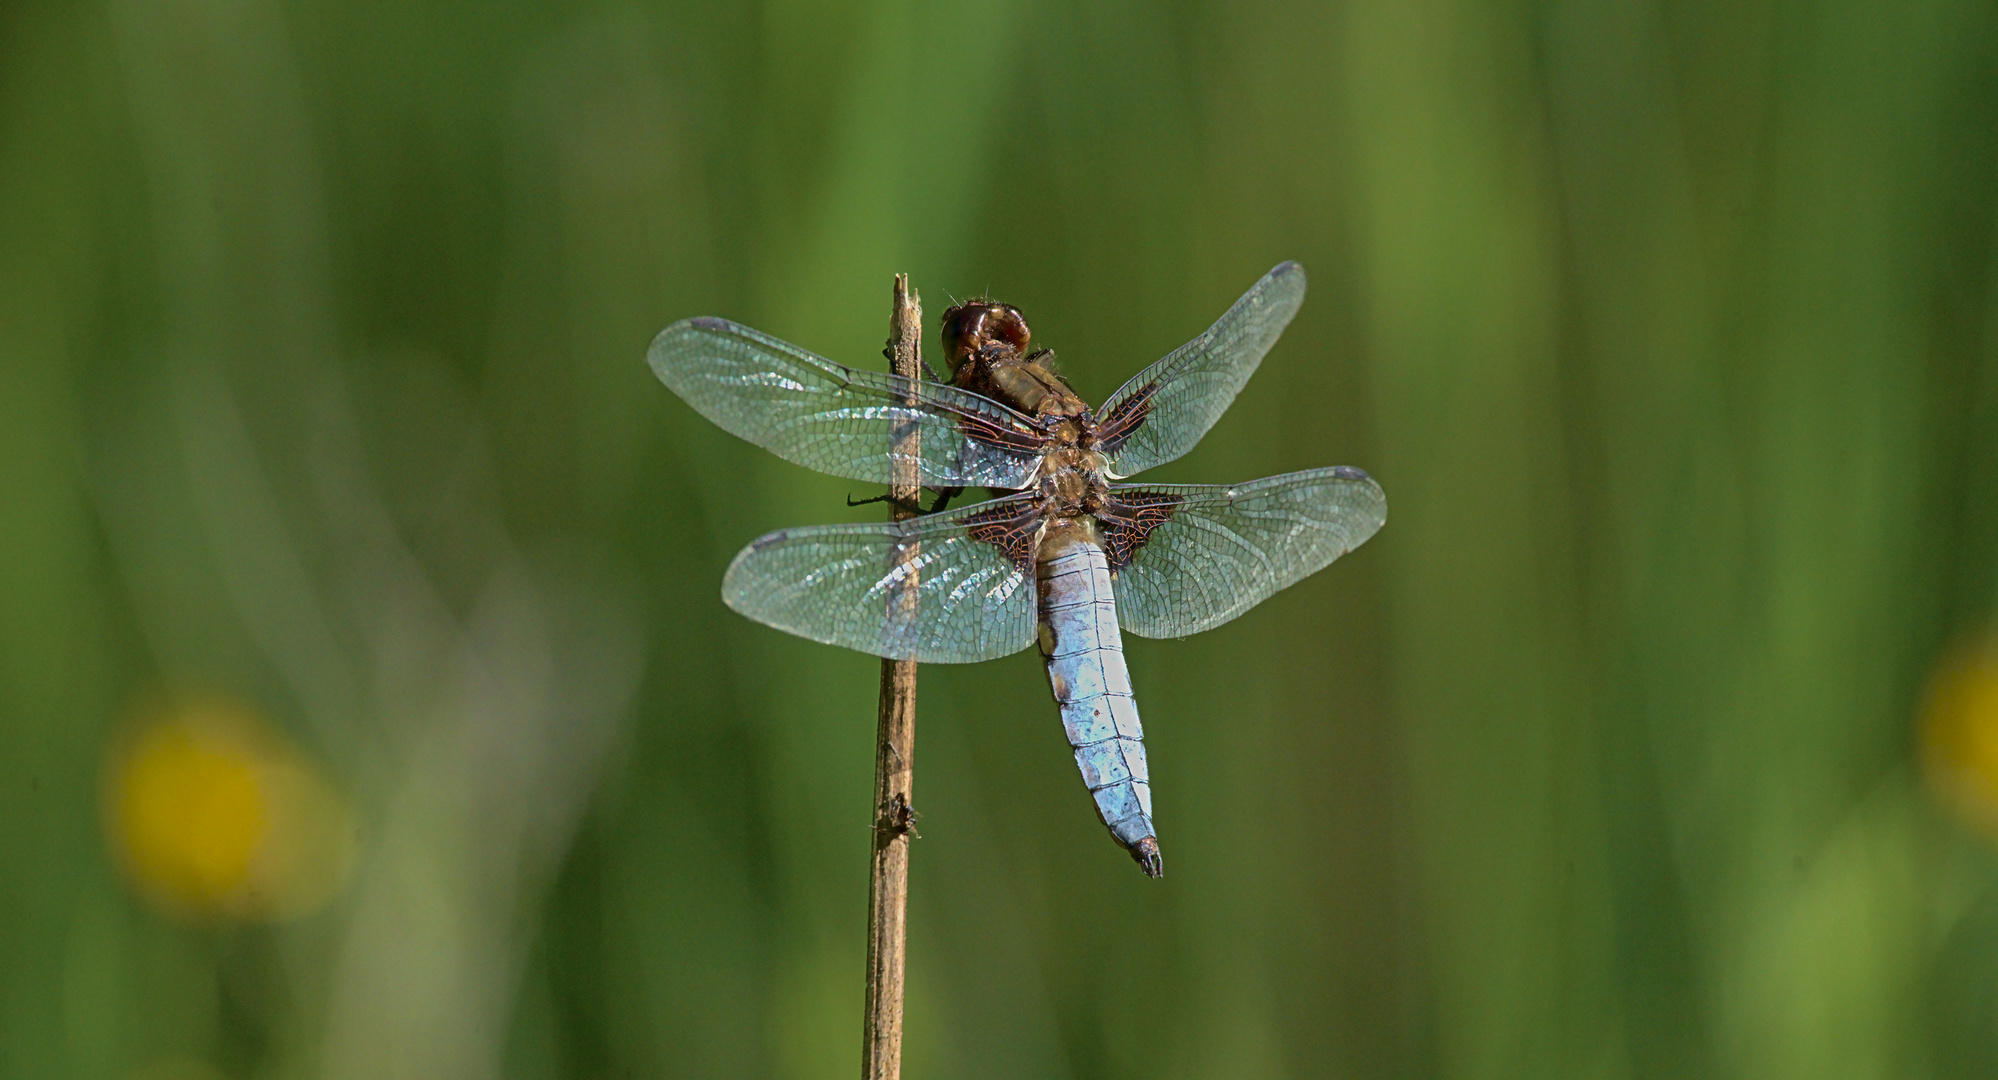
<point x="912" y="506"/>
<point x="944" y="496"/>
<point x="928" y="374"/>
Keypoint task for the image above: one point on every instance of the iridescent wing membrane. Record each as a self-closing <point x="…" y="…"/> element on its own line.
<point x="841" y="420"/>
<point x="947" y="588"/>
<point x="1162" y="412"/>
<point x="1208" y="553"/>
<point x="1204" y="555"/>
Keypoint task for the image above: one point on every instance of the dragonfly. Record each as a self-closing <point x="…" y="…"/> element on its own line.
<point x="1065" y="554"/>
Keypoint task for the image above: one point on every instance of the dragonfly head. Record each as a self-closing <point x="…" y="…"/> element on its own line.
<point x="971" y="327"/>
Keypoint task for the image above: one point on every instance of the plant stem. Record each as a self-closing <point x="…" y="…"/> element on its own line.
<point x="895" y="743"/>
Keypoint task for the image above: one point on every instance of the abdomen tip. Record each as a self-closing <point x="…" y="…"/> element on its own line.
<point x="1146" y="852"/>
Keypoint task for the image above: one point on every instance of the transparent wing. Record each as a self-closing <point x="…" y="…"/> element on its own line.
<point x="942" y="589"/>
<point x="841" y="420"/>
<point x="1163" y="412"/>
<point x="1195" y="556"/>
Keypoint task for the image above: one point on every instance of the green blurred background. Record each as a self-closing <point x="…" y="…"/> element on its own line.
<point x="1670" y="330"/>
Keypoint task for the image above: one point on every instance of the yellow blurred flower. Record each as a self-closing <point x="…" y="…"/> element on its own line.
<point x="213" y="813"/>
<point x="1959" y="736"/>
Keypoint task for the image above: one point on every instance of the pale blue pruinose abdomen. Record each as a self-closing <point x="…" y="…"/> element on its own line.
<point x="1085" y="659"/>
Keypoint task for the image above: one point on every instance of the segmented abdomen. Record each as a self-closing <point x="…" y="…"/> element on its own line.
<point x="1085" y="658"/>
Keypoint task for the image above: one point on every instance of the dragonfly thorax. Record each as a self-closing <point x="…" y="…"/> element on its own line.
<point x="1071" y="482"/>
<point x="1025" y="383"/>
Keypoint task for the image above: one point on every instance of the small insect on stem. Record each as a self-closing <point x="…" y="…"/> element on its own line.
<point x="899" y="821"/>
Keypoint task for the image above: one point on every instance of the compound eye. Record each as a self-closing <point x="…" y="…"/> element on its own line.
<point x="971" y="326"/>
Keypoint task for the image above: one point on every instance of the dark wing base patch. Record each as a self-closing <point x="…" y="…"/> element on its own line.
<point x="1125" y="418"/>
<point x="1127" y="519"/>
<point x="1008" y="525"/>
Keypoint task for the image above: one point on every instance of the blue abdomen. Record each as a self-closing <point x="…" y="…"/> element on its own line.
<point x="1085" y="658"/>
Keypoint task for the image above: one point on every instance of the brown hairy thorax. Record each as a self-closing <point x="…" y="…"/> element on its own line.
<point x="986" y="344"/>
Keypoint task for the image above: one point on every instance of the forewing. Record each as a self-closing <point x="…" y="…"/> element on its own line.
<point x="1191" y="557"/>
<point x="1163" y="412"/>
<point x="841" y="420"/>
<point x="941" y="589"/>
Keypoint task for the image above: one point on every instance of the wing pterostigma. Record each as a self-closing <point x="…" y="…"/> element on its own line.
<point x="840" y="420"/>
